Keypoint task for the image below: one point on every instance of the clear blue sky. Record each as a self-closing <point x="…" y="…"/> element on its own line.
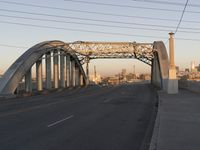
<point x="27" y="36"/>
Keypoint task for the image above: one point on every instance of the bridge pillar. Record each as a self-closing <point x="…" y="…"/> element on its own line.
<point x="68" y="70"/>
<point x="172" y="82"/>
<point x="62" y="69"/>
<point x="73" y="73"/>
<point x="77" y="79"/>
<point x="48" y="71"/>
<point x="55" y="69"/>
<point x="81" y="79"/>
<point x="39" y="75"/>
<point x="87" y="70"/>
<point x="28" y="81"/>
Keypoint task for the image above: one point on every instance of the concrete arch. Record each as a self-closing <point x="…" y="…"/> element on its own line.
<point x="20" y="67"/>
<point x="160" y="65"/>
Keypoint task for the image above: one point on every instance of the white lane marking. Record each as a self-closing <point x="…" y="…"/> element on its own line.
<point x="107" y="100"/>
<point x="59" y="121"/>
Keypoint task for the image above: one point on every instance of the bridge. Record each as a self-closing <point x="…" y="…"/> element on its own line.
<point x="92" y="117"/>
<point x="62" y="63"/>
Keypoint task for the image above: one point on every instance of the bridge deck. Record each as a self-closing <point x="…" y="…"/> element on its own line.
<point x="102" y="118"/>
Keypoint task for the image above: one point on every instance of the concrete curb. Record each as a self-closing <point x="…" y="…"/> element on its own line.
<point x="155" y="135"/>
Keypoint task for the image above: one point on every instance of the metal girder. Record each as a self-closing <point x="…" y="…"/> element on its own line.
<point x="97" y="50"/>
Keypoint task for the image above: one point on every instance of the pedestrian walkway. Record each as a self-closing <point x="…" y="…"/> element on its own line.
<point x="177" y="125"/>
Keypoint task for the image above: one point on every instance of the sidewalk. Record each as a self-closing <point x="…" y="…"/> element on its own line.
<point x="177" y="125"/>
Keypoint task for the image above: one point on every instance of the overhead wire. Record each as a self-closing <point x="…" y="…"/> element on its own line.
<point x="94" y="12"/>
<point x="80" y="30"/>
<point x="128" y="6"/>
<point x="97" y="20"/>
<point x="12" y="46"/>
<point x="81" y="23"/>
<point x="93" y="24"/>
<point x="86" y="2"/>
<point x="61" y="16"/>
<point x="84" y="19"/>
<point x="181" y="17"/>
<point x="166" y="2"/>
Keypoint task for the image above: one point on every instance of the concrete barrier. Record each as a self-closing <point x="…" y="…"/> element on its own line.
<point x="193" y="86"/>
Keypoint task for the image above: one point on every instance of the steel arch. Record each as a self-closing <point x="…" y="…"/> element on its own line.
<point x="18" y="69"/>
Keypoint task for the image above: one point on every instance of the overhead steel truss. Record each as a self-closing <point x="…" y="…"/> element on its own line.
<point x="97" y="50"/>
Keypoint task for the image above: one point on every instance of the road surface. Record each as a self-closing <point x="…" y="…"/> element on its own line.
<point x="91" y="118"/>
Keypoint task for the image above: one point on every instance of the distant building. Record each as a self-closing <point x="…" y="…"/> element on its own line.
<point x="114" y="80"/>
<point x="130" y="77"/>
<point x="198" y="68"/>
<point x="145" y="77"/>
<point x="96" y="78"/>
<point x="177" y="69"/>
<point x="123" y="75"/>
<point x="187" y="70"/>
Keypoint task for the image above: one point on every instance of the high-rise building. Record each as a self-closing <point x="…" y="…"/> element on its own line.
<point x="193" y="69"/>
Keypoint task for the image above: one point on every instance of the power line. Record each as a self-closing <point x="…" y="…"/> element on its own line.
<point x="86" y="19"/>
<point x="159" y="2"/>
<point x="12" y="46"/>
<point x="116" y="5"/>
<point x="89" y="31"/>
<point x="118" y="15"/>
<point x="181" y="16"/>
<point x="119" y="5"/>
<point x="81" y="30"/>
<point x="97" y="20"/>
<point x="93" y="24"/>
<point x="84" y="11"/>
<point x="98" y="13"/>
<point x="166" y="2"/>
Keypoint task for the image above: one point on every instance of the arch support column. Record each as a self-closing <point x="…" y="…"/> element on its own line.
<point x="62" y="70"/>
<point x="55" y="69"/>
<point x="87" y="70"/>
<point x="48" y="71"/>
<point x="28" y="81"/>
<point x="73" y="73"/>
<point x="39" y="75"/>
<point x="68" y="70"/>
<point x="77" y="78"/>
<point x="81" y="80"/>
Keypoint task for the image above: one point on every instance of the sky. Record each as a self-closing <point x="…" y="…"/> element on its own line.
<point x="25" y="23"/>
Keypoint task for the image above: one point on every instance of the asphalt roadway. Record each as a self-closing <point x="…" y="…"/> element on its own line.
<point x="90" y="118"/>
